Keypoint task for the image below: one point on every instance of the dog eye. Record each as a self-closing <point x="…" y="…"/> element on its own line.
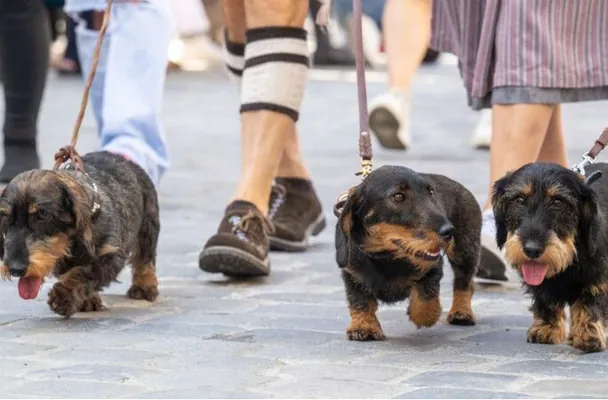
<point x="399" y="197"/>
<point x="557" y="202"/>
<point x="41" y="215"/>
<point x="519" y="200"/>
<point x="431" y="191"/>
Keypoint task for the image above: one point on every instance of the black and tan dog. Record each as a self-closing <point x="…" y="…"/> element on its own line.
<point x="551" y="223"/>
<point x="390" y="238"/>
<point x="83" y="229"/>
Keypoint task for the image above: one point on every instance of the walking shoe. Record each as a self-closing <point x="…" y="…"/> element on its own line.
<point x="240" y="246"/>
<point x="295" y="213"/>
<point x="493" y="268"/>
<point x="18" y="158"/>
<point x="389" y="119"/>
<point x="482" y="136"/>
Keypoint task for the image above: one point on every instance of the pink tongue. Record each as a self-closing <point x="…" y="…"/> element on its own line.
<point x="29" y="287"/>
<point x="534" y="273"/>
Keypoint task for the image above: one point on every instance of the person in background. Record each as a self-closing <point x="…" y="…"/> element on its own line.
<point x="24" y="58"/>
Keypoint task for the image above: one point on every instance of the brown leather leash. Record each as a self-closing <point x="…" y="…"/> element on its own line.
<point x="365" y="140"/>
<point x="68" y="152"/>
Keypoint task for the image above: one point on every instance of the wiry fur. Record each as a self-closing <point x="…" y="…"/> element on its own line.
<point x="381" y="244"/>
<point x="48" y="227"/>
<point x="552" y="211"/>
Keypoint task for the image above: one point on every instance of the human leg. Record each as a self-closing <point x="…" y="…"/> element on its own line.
<point x="272" y="87"/>
<point x="24" y="58"/>
<point x="128" y="87"/>
<point x="518" y="134"/>
<point x="406" y="27"/>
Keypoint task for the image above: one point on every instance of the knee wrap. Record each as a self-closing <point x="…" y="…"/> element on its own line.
<point x="234" y="57"/>
<point x="276" y="69"/>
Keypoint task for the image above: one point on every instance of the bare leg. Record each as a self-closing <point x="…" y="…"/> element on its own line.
<point x="518" y="134"/>
<point x="554" y="146"/>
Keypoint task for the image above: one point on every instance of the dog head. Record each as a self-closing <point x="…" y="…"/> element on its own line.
<point x="545" y="214"/>
<point x="43" y="214"/>
<point x="394" y="212"/>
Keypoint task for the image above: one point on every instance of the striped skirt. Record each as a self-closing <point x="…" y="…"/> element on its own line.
<point x="526" y="51"/>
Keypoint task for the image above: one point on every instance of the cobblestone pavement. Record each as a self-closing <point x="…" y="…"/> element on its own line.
<point x="283" y="336"/>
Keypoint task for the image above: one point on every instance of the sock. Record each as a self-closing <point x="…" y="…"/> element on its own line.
<point x="488" y="223"/>
<point x="276" y="70"/>
<point x="234" y="57"/>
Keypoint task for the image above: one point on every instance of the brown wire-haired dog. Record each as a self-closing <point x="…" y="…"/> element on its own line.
<point x="389" y="241"/>
<point x="83" y="229"/>
<point x="552" y="226"/>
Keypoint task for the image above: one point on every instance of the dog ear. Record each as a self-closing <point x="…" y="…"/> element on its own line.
<point x="4" y="210"/>
<point x="499" y="207"/>
<point x="348" y="220"/>
<point x="80" y="206"/>
<point x="589" y="222"/>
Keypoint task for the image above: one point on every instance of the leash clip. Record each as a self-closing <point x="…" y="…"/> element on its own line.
<point x="585" y="162"/>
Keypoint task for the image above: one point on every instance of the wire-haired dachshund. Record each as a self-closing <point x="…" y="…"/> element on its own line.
<point x="82" y="229"/>
<point x="551" y="223"/>
<point x="392" y="233"/>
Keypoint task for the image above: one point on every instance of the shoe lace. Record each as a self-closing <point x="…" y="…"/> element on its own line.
<point x="251" y="223"/>
<point x="277" y="199"/>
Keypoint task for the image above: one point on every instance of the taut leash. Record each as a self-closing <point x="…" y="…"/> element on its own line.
<point x="590" y="157"/>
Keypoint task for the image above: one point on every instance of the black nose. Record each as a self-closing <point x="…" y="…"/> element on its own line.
<point x="17" y="269"/>
<point x="446" y="231"/>
<point x="533" y="249"/>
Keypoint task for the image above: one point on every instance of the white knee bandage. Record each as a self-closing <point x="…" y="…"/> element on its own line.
<point x="276" y="70"/>
<point x="234" y="57"/>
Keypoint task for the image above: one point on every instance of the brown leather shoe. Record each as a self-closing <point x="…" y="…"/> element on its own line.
<point x="240" y="246"/>
<point x="295" y="213"/>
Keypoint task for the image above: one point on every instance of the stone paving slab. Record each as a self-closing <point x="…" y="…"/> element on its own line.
<point x="283" y="336"/>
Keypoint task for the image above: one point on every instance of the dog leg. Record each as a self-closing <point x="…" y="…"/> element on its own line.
<point x="145" y="285"/>
<point x="463" y="254"/>
<point x="549" y="326"/>
<point x="93" y="303"/>
<point x="81" y="284"/>
<point x="364" y="324"/>
<point x="587" y="326"/>
<point x="424" y="309"/>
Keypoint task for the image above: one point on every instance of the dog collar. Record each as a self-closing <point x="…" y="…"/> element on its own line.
<point x="96" y="201"/>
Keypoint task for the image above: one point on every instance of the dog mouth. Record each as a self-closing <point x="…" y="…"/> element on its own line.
<point x="534" y="272"/>
<point x="432" y="255"/>
<point x="28" y="287"/>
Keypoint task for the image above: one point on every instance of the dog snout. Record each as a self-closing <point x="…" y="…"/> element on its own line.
<point x="16" y="268"/>
<point x="533" y="249"/>
<point x="446" y="231"/>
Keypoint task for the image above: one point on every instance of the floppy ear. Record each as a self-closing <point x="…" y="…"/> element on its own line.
<point x="4" y="210"/>
<point x="348" y="221"/>
<point x="499" y="206"/>
<point x="589" y="222"/>
<point x="80" y="205"/>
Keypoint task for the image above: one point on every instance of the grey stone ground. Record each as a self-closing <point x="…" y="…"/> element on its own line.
<point x="283" y="336"/>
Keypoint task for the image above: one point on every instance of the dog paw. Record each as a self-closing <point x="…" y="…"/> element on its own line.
<point x="461" y="318"/>
<point x="64" y="301"/>
<point x="589" y="338"/>
<point x="143" y="293"/>
<point x="546" y="334"/>
<point x="424" y="314"/>
<point x="93" y="304"/>
<point x="363" y="334"/>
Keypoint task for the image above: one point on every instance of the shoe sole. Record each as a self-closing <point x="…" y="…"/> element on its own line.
<point x="495" y="264"/>
<point x="278" y="244"/>
<point x="232" y="262"/>
<point x="384" y="124"/>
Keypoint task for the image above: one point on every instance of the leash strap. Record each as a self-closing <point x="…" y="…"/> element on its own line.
<point x="68" y="152"/>
<point x="365" y="140"/>
<point x="590" y="156"/>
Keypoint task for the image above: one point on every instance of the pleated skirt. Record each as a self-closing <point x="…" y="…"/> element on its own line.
<point x="526" y="51"/>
